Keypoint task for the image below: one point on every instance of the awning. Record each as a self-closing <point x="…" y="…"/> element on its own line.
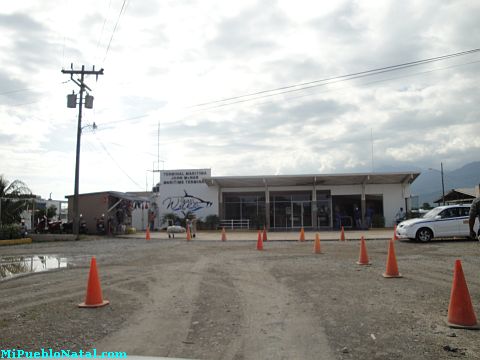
<point x="308" y="180"/>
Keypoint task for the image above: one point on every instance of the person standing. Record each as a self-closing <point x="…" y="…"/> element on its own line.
<point x="194" y="227"/>
<point x="357" y="216"/>
<point x="368" y="217"/>
<point x="151" y="219"/>
<point x="400" y="216"/>
<point x="474" y="213"/>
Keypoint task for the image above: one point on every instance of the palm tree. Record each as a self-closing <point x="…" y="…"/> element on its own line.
<point x="13" y="200"/>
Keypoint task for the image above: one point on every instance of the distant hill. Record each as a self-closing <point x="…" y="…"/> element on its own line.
<point x="428" y="186"/>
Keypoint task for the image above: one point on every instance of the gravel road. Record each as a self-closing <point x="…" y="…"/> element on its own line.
<point x="226" y="300"/>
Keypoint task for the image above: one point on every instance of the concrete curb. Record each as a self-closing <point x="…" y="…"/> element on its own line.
<point x="52" y="237"/>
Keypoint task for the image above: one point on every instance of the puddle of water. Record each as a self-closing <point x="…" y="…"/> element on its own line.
<point x="11" y="266"/>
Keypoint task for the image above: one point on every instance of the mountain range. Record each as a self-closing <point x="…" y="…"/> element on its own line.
<point x="428" y="186"/>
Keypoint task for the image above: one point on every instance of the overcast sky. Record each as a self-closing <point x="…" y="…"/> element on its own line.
<point x="167" y="56"/>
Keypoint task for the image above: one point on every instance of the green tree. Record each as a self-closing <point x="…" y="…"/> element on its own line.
<point x="50" y="212"/>
<point x="169" y="216"/>
<point x="426" y="206"/>
<point x="13" y="200"/>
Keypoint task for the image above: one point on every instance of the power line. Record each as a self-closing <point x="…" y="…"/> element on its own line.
<point x="347" y="76"/>
<point x="206" y="109"/>
<point x="8" y="92"/>
<point x="104" y="22"/>
<point x="316" y="86"/>
<point x="116" y="163"/>
<point x="114" y="29"/>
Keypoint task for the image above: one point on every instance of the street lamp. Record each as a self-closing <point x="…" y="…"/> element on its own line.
<point x="443" y="183"/>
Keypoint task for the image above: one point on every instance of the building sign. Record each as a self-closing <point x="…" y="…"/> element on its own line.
<point x="185" y="191"/>
<point x="181" y="177"/>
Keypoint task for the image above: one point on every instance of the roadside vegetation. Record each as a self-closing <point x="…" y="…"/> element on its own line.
<point x="15" y="196"/>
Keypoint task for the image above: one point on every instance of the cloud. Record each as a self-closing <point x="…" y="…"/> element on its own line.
<point x="29" y="43"/>
<point x="166" y="56"/>
<point x="14" y="91"/>
<point x="250" y="32"/>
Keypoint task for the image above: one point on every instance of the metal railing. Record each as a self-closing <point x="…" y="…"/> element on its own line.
<point x="235" y="224"/>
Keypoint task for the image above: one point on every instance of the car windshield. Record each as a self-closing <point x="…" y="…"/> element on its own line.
<point x="432" y="213"/>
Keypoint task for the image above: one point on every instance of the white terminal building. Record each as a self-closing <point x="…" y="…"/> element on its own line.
<point x="287" y="202"/>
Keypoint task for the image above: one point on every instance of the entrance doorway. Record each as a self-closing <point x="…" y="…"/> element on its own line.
<point x="290" y="210"/>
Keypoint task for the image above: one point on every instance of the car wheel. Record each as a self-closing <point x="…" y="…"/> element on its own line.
<point x="424" y="235"/>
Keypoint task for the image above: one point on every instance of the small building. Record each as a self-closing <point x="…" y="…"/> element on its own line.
<point x="287" y="202"/>
<point x="459" y="196"/>
<point x="119" y="210"/>
<point x="31" y="214"/>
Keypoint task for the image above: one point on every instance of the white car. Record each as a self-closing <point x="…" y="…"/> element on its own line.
<point x="443" y="221"/>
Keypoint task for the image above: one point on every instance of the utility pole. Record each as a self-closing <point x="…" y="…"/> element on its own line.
<point x="71" y="103"/>
<point x="443" y="184"/>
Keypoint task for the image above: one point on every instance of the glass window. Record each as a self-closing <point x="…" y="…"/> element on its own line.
<point x="449" y="213"/>
<point x="464" y="211"/>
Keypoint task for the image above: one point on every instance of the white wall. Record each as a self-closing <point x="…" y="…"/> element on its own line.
<point x="183" y="191"/>
<point x="393" y="199"/>
<point x="140" y="218"/>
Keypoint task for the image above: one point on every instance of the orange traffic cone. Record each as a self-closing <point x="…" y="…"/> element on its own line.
<point x="392" y="268"/>
<point x="224" y="234"/>
<point x="259" y="241"/>
<point x="302" y="235"/>
<point x="316" y="245"/>
<point x="94" y="297"/>
<point x="395" y="237"/>
<point x="460" y="310"/>
<point x="189" y="235"/>
<point x="342" y="235"/>
<point x="264" y="235"/>
<point x="147" y="236"/>
<point x="363" y="258"/>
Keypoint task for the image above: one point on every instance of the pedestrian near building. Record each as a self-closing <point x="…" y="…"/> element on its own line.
<point x="151" y="219"/>
<point x="357" y="216"/>
<point x="194" y="227"/>
<point x="368" y="217"/>
<point x="400" y="216"/>
<point x="473" y="214"/>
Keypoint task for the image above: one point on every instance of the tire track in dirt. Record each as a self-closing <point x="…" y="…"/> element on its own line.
<point x="154" y="329"/>
<point x="216" y="318"/>
<point x="276" y="326"/>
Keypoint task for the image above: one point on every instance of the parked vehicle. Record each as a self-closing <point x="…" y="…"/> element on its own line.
<point x="45" y="226"/>
<point x="68" y="227"/>
<point x="441" y="222"/>
<point x="101" y="225"/>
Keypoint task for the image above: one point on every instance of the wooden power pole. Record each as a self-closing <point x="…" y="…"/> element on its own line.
<point x="72" y="104"/>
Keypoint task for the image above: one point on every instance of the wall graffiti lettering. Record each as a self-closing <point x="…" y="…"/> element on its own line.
<point x="186" y="203"/>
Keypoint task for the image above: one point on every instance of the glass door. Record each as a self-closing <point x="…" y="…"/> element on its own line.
<point x="297" y="214"/>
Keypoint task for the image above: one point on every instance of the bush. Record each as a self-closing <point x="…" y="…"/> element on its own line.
<point x="201" y="225"/>
<point x="11" y="231"/>
<point x="212" y="222"/>
<point x="169" y="219"/>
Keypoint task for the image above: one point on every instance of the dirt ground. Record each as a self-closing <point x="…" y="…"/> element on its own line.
<point x="226" y="300"/>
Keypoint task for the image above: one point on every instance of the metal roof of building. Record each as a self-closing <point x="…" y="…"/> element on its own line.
<point x="139" y="196"/>
<point x="458" y="196"/>
<point x="307" y="180"/>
